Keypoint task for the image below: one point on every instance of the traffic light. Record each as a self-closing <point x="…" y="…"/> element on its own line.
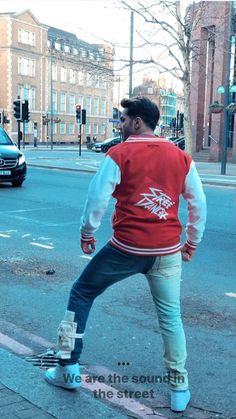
<point x="1" y="117"/>
<point x="181" y="120"/>
<point x="25" y="111"/>
<point x="78" y="113"/>
<point x="83" y="122"/>
<point x="17" y="107"/>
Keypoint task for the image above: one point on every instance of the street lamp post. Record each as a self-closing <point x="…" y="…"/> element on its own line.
<point x="226" y="96"/>
<point x="51" y="88"/>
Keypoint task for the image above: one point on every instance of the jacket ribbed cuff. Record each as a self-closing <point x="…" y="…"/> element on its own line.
<point x="191" y="245"/>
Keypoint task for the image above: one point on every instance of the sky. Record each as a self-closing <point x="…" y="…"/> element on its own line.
<point x="94" y="21"/>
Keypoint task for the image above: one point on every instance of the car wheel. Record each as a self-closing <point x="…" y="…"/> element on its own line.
<point x="17" y="183"/>
<point x="105" y="149"/>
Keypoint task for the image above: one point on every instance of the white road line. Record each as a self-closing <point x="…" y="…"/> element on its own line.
<point x="231" y="294"/>
<point x="25" y="235"/>
<point x="86" y="257"/>
<point x="29" y="210"/>
<point x="7" y="236"/>
<point x="15" y="346"/>
<point x="42" y="245"/>
<point x="34" y="338"/>
<point x="129" y="404"/>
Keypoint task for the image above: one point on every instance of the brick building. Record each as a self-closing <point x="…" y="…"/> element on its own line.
<point x="166" y="99"/>
<point x="54" y="70"/>
<point x="208" y="73"/>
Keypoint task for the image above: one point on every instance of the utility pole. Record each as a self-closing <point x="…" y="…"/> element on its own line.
<point x="131" y="53"/>
<point x="224" y="144"/>
<point x="51" y="87"/>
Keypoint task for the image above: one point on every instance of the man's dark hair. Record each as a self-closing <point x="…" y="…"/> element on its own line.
<point x="144" y="108"/>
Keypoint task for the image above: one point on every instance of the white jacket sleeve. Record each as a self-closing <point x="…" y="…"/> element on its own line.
<point x="99" y="193"/>
<point x="196" y="200"/>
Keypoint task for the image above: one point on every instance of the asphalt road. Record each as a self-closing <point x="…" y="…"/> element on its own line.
<point x="39" y="231"/>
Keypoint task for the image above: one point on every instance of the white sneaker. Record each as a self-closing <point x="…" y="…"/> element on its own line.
<point x="179" y="400"/>
<point x="64" y="376"/>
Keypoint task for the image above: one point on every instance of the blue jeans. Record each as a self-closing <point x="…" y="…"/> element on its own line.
<point x="163" y="273"/>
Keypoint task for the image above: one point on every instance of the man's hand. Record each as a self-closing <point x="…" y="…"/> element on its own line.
<point x="87" y="244"/>
<point x="187" y="252"/>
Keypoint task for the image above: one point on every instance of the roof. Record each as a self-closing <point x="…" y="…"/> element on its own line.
<point x="71" y="38"/>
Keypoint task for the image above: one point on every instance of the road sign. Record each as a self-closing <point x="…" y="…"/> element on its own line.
<point x="114" y="121"/>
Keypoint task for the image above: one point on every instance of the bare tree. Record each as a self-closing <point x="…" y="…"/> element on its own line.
<point x="173" y="36"/>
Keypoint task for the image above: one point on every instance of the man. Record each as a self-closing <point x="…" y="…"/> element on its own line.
<point x="146" y="175"/>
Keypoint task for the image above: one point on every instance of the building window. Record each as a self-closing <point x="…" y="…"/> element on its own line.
<point x="26" y="37"/>
<point x="66" y="48"/>
<point x="27" y="92"/>
<point x="75" y="51"/>
<point x="103" y="129"/>
<point x="95" y="129"/>
<point x="88" y="105"/>
<point x="54" y="101"/>
<point x="89" y="80"/>
<point x="72" y="76"/>
<point x="57" y="46"/>
<point x="81" y="78"/>
<point x="103" y="84"/>
<point x="72" y="104"/>
<point x="54" y="126"/>
<point x="62" y="128"/>
<point x="54" y="72"/>
<point x="32" y="95"/>
<point x="63" y="102"/>
<point x="96" y="82"/>
<point x="83" y="53"/>
<point x="80" y="101"/>
<point x="26" y="67"/>
<point x="63" y="74"/>
<point x="103" y="106"/>
<point x="96" y="106"/>
<point x="88" y="128"/>
<point x="71" y="128"/>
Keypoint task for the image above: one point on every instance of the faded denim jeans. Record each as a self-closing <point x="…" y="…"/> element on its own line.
<point x="163" y="273"/>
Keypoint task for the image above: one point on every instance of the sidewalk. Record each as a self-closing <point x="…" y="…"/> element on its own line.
<point x="12" y="405"/>
<point x="68" y="158"/>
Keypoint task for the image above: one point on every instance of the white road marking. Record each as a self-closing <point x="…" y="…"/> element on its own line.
<point x="231" y="294"/>
<point x="15" y="346"/>
<point x="86" y="257"/>
<point x="41" y="245"/>
<point x="29" y="210"/>
<point x="7" y="236"/>
<point x="25" y="235"/>
<point x="130" y="404"/>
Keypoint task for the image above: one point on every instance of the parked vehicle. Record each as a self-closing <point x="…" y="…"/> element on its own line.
<point x="108" y="143"/>
<point x="12" y="161"/>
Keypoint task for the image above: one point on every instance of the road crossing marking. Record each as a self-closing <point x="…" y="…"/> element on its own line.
<point x="45" y="246"/>
<point x="86" y="257"/>
<point x="231" y="294"/>
<point x="7" y="236"/>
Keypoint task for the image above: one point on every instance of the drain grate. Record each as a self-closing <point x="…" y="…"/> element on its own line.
<point x="45" y="360"/>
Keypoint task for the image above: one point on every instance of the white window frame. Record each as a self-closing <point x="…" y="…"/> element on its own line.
<point x="63" y="102"/>
<point x="63" y="75"/>
<point x="62" y="128"/>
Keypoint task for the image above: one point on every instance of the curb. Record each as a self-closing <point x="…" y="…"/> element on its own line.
<point x="69" y="169"/>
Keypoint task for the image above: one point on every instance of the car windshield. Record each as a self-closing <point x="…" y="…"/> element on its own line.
<point x="4" y="138"/>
